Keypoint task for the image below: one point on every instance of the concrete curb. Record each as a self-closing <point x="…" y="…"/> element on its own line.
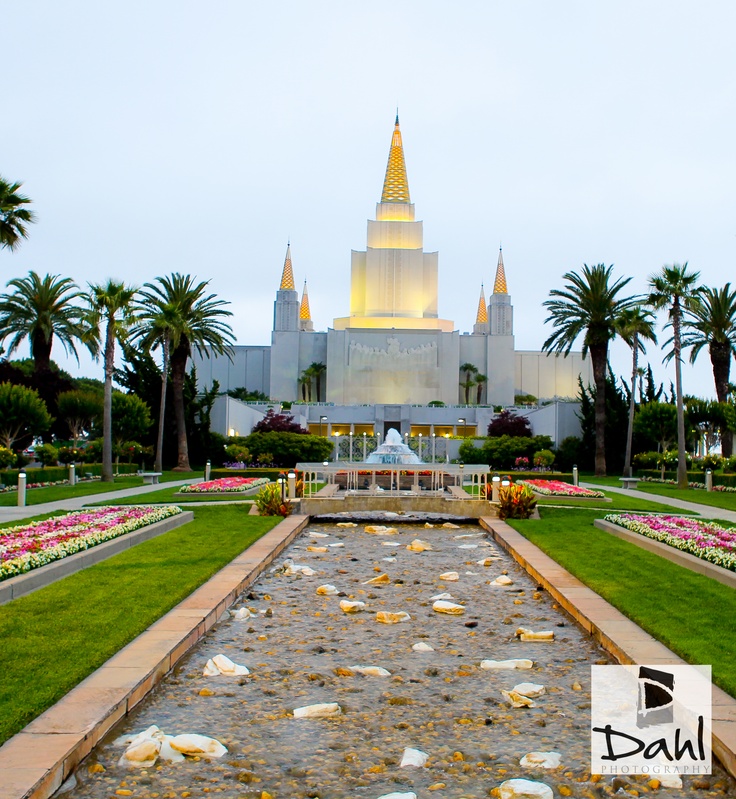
<point x="45" y="575"/>
<point x="685" y="559"/>
<point x="617" y="634"/>
<point x="35" y="762"/>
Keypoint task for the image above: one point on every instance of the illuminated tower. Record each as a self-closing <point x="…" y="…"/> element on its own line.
<point x="500" y="311"/>
<point x="305" y="315"/>
<point x="481" y="317"/>
<point x="286" y="307"/>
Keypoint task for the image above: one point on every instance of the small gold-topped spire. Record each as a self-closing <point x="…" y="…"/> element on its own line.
<point x="304" y="312"/>
<point x="482" y="315"/>
<point x="287" y="276"/>
<point x="395" y="184"/>
<point x="499" y="285"/>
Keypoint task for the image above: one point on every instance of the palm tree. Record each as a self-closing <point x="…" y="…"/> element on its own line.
<point x="13" y="216"/>
<point x="156" y="321"/>
<point x="634" y="325"/>
<point x="317" y="370"/>
<point x="196" y="320"/>
<point x="712" y="322"/>
<point x="110" y="304"/>
<point x="469" y="382"/>
<point x="39" y="309"/>
<point x="589" y="305"/>
<point x="480" y="381"/>
<point x="674" y="288"/>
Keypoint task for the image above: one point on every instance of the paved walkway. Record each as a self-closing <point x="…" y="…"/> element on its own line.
<point x="706" y="511"/>
<point x="9" y="514"/>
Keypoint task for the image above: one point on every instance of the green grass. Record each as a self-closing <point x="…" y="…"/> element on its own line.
<point x="690" y="613"/>
<point x="38" y="496"/>
<point x="714" y="499"/>
<point x="170" y="496"/>
<point x="52" y="639"/>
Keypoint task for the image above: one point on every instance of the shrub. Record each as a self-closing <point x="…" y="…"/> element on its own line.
<point x="569" y="453"/>
<point x="729" y="464"/>
<point x="645" y="460"/>
<point x="509" y="424"/>
<point x="544" y="458"/>
<point x="268" y="501"/>
<point x="238" y="453"/>
<point x="47" y="455"/>
<point x="7" y="457"/>
<point x="711" y="461"/>
<point x="69" y="455"/>
<point x="93" y="451"/>
<point x="287" y="449"/>
<point x="516" y="502"/>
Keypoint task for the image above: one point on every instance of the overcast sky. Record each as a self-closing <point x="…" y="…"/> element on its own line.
<point x="198" y="137"/>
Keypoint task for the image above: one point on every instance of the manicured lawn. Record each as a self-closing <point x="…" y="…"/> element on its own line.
<point x="170" y="496"/>
<point x="37" y="496"/>
<point x="618" y="502"/>
<point x="52" y="639"/>
<point x="690" y="613"/>
<point x="714" y="499"/>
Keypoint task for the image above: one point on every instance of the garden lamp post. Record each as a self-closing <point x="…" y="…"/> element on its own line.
<point x="434" y="445"/>
<point x="365" y="441"/>
<point x="292" y="484"/>
<point x="324" y="474"/>
<point x="420" y="446"/>
<point x="350" y="451"/>
<point x="281" y="480"/>
<point x="495" y="483"/>
<point x="337" y="447"/>
<point x="322" y="420"/>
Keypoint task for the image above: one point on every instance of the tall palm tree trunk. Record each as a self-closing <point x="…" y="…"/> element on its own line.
<point x="158" y="465"/>
<point x="720" y="359"/>
<point x="682" y="481"/>
<point x="599" y="360"/>
<point x="41" y="351"/>
<point x="107" y="404"/>
<point x="178" y="367"/>
<point x="632" y="407"/>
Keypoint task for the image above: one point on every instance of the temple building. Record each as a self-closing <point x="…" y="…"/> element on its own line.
<point x="393" y="348"/>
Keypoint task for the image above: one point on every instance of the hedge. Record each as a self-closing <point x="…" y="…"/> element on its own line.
<point x="52" y="474"/>
<point x="693" y="476"/>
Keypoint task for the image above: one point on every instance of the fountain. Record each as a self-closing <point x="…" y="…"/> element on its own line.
<point x="393" y="450"/>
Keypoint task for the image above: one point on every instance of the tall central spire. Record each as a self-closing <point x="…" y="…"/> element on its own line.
<point x="395" y="184"/>
<point x="287" y="276"/>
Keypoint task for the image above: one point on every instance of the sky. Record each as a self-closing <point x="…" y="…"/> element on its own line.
<point x="164" y="136"/>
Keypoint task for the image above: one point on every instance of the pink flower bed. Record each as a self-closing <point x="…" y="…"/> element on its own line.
<point x="28" y="546"/>
<point x="700" y="538"/>
<point x="555" y="488"/>
<point x="231" y="485"/>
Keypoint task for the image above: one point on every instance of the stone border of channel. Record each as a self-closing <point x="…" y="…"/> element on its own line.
<point x="685" y="559"/>
<point x="31" y="581"/>
<point x="617" y="634"/>
<point x="35" y="762"/>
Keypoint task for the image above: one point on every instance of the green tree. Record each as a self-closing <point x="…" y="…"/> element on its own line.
<point x="634" y="325"/>
<point x="589" y="305"/>
<point x="22" y="412"/>
<point x="617" y="409"/>
<point x="469" y="371"/>
<point x="317" y="370"/>
<point x="110" y="306"/>
<point x="80" y="409"/>
<point x="131" y="418"/>
<point x="40" y="309"/>
<point x="655" y="425"/>
<point x="14" y="216"/>
<point x="674" y="289"/>
<point x="711" y="322"/>
<point x="480" y="381"/>
<point x="197" y="323"/>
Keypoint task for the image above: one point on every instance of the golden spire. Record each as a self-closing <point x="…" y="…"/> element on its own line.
<point x="395" y="184"/>
<point x="304" y="312"/>
<point x="499" y="285"/>
<point x="482" y="315"/>
<point x="287" y="276"/>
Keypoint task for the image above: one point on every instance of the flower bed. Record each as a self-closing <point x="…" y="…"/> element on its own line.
<point x="29" y="546"/>
<point x="226" y="485"/>
<point x="700" y="486"/>
<point x="703" y="539"/>
<point x="555" y="488"/>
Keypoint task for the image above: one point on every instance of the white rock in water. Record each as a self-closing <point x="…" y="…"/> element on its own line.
<point x="471" y="574"/>
<point x="541" y="760"/>
<point x="422" y="647"/>
<point x="385" y="617"/>
<point x="487" y="561"/>
<point x="371" y="671"/>
<point x="502" y="580"/>
<point x="417" y="545"/>
<point x="351" y="607"/>
<point x="450" y="577"/>
<point x="339" y="544"/>
<point x="380" y="579"/>
<point x="524" y="789"/>
<point x="413" y="757"/>
<point x="441" y="606"/>
<point x="525" y="634"/>
<point x="327" y="590"/>
<point x="517" y="663"/>
<point x="530" y="689"/>
<point x="516" y="699"/>
<point x="347" y="524"/>
<point x="315" y="534"/>
<point x="168" y="753"/>
<point x="321" y="710"/>
<point x="468" y="535"/>
<point x="389" y="560"/>
<point x="221" y="664"/>
<point x="307" y="571"/>
<point x="428" y="525"/>
<point x="398" y="795"/>
<point x="390" y="543"/>
<point x="442" y="596"/>
<point x="142" y="751"/>
<point x="127" y="740"/>
<point x="241" y="614"/>
<point x="194" y="744"/>
<point x="669" y="780"/>
<point x="451" y="526"/>
<point x="468" y="546"/>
